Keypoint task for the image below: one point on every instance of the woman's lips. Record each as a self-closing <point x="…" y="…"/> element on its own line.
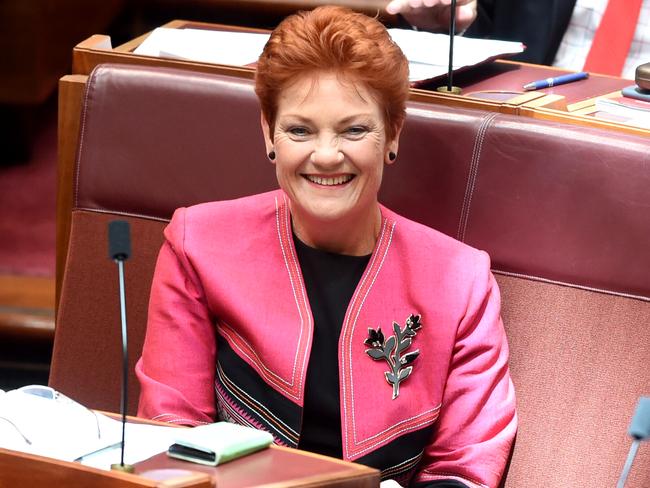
<point x="329" y="180"/>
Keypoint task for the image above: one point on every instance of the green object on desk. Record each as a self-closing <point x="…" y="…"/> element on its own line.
<point x="218" y="443"/>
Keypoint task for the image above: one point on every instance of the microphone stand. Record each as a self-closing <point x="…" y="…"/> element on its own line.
<point x="639" y="430"/>
<point x="628" y="463"/>
<point x="119" y="249"/>
<point x="452" y="33"/>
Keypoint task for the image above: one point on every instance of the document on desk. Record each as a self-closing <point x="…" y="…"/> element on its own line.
<point x="54" y="425"/>
<point x="428" y="53"/>
<point x="207" y="46"/>
<point x="39" y="420"/>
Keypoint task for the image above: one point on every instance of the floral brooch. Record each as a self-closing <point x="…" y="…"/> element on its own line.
<point x="391" y="350"/>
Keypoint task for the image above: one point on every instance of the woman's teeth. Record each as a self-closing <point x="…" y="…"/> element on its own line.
<point x="331" y="181"/>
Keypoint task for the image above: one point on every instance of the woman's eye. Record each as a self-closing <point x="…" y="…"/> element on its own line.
<point x="356" y="131"/>
<point x="298" y="131"/>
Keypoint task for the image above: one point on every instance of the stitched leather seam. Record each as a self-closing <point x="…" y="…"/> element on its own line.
<point x="119" y="212"/>
<point x="572" y="285"/>
<point x="471" y="179"/>
<point x="89" y="87"/>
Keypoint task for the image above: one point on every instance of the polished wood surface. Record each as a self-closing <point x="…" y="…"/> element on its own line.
<point x="19" y="470"/>
<point x="276" y="467"/>
<point x="27" y="307"/>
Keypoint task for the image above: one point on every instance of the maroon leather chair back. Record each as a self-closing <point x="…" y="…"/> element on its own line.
<point x="564" y="211"/>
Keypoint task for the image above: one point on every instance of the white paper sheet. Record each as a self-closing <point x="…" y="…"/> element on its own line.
<point x="428" y="53"/>
<point x="58" y="428"/>
<point x="208" y="46"/>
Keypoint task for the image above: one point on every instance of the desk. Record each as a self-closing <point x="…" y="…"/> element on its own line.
<point x="276" y="466"/>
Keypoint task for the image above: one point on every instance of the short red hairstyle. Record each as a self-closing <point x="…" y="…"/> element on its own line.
<point x="334" y="39"/>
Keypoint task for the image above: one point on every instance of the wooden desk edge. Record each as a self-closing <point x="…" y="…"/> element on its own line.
<point x="71" y="92"/>
<point x="362" y="471"/>
<point x="22" y="469"/>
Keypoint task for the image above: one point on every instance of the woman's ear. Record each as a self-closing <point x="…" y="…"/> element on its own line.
<point x="392" y="147"/>
<point x="266" y="131"/>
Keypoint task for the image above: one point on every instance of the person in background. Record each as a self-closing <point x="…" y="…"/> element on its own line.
<point x="556" y="32"/>
<point x="317" y="314"/>
<point x="434" y="15"/>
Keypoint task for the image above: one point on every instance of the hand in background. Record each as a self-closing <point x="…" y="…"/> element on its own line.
<point x="433" y="15"/>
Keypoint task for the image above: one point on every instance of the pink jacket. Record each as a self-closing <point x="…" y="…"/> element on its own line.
<point x="229" y="335"/>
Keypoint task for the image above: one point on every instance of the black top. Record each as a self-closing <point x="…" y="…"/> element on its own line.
<point x="330" y="281"/>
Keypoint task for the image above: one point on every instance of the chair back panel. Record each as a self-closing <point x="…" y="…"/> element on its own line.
<point x="579" y="361"/>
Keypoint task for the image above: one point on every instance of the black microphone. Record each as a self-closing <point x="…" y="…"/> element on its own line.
<point x="639" y="431"/>
<point x="119" y="250"/>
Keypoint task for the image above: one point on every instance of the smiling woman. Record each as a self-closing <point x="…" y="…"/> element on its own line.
<point x="330" y="146"/>
<point x="268" y="310"/>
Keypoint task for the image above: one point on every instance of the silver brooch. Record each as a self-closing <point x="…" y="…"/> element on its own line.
<point x="392" y="348"/>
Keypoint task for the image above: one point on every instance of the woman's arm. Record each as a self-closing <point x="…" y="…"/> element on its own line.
<point x="477" y="421"/>
<point x="433" y="15"/>
<point x="177" y="367"/>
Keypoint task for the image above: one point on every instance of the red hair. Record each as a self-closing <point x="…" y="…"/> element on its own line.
<point x="334" y="39"/>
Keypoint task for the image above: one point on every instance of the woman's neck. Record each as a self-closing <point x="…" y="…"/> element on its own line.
<point x="354" y="236"/>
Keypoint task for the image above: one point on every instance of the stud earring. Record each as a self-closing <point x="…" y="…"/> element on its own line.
<point x="392" y="156"/>
<point x="272" y="155"/>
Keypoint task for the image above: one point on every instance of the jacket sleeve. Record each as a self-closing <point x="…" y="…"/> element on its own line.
<point x="477" y="422"/>
<point x="177" y="367"/>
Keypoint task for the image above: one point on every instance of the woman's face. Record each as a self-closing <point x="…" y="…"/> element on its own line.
<point x="330" y="145"/>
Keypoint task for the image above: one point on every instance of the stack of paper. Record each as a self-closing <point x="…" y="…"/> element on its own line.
<point x="428" y="53"/>
<point x="625" y="110"/>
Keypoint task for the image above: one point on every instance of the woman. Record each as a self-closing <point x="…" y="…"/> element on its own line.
<point x="317" y="314"/>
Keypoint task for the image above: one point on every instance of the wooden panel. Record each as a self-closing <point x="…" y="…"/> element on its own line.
<point x="27" y="307"/>
<point x="71" y="90"/>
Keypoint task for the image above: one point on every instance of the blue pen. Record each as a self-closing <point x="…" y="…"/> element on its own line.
<point x="558" y="80"/>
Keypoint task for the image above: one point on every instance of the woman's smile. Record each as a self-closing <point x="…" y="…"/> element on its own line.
<point x="332" y="180"/>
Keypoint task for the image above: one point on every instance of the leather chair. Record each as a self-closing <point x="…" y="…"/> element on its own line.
<point x="563" y="211"/>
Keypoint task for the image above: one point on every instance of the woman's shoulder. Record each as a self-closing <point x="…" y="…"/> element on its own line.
<point x="237" y="207"/>
<point x="224" y="216"/>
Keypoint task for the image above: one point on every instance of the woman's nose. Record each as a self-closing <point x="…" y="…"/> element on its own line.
<point x="326" y="151"/>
